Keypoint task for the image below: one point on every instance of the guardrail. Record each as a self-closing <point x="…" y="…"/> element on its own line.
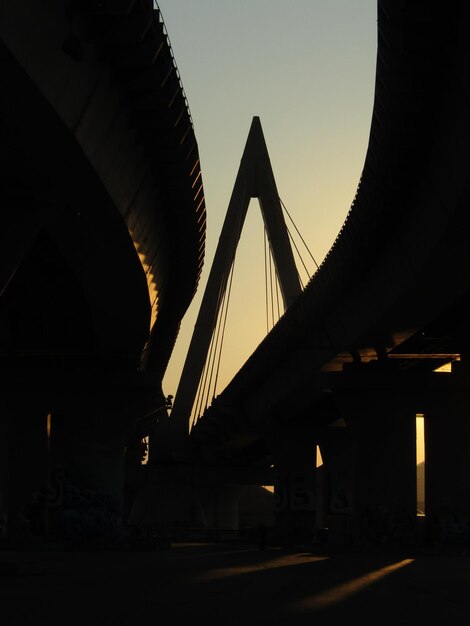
<point x="165" y="32"/>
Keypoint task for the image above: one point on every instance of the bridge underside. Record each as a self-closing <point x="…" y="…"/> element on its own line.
<point x="394" y="290"/>
<point x="69" y="266"/>
<point x="103" y="217"/>
<point x="354" y="358"/>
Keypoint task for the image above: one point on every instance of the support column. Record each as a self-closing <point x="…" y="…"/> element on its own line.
<point x="337" y="470"/>
<point x="447" y="468"/>
<point x="294" y="456"/>
<point x="4" y="467"/>
<point x="25" y="471"/>
<point x="225" y="507"/>
<point x="93" y="426"/>
<point x="383" y="429"/>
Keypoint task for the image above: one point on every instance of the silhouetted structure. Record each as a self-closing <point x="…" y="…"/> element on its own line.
<point x="355" y="357"/>
<point x="262" y="536"/>
<point x="104" y="203"/>
<point x="103" y="220"/>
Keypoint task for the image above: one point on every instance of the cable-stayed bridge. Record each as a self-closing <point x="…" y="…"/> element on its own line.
<point x="103" y="243"/>
<point x="361" y="351"/>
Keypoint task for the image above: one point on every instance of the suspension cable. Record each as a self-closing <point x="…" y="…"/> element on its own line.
<point x="203" y="381"/>
<point x="197" y="404"/>
<point x="223" y="333"/>
<point x="213" y="353"/>
<point x="216" y="349"/>
<point x="271" y="297"/>
<point x="277" y="298"/>
<point x="298" y="232"/>
<point x="298" y="253"/>
<point x="210" y="377"/>
<point x="208" y="384"/>
<point x="266" y="280"/>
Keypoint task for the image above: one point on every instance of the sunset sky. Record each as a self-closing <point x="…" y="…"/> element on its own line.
<point x="307" y="69"/>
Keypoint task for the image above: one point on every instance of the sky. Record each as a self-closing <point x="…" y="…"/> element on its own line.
<point x="307" y="69"/>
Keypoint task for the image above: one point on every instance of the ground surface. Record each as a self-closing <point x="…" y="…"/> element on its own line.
<point x="231" y="584"/>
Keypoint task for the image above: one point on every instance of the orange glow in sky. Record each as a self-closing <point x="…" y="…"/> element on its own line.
<point x="307" y="69"/>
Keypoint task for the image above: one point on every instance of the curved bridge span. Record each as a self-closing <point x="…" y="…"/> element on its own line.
<point x="354" y="358"/>
<point x="98" y="148"/>
<point x="103" y="231"/>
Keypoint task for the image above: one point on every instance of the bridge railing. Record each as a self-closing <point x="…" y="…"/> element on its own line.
<point x="165" y="32"/>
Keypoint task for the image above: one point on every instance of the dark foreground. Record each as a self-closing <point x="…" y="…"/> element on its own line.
<point x="229" y="584"/>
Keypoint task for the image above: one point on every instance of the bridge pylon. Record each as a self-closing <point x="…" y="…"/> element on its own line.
<point x="255" y="179"/>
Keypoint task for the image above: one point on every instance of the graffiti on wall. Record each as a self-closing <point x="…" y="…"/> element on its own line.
<point x="450" y="529"/>
<point x="384" y="526"/>
<point x="92" y="516"/>
<point x="294" y="492"/>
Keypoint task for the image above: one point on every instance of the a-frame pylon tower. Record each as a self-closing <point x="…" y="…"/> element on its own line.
<point x="255" y="179"/>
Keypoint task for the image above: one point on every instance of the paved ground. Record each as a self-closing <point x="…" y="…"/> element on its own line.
<point x="228" y="584"/>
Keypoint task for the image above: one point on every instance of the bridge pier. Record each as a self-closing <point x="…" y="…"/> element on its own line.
<point x="221" y="506"/>
<point x="4" y="469"/>
<point x="383" y="432"/>
<point x="337" y="484"/>
<point x="92" y="440"/>
<point x="62" y="454"/>
<point x="294" y="458"/>
<point x="89" y="437"/>
<point x="24" y="470"/>
<point x="447" y="468"/>
<point x="178" y="498"/>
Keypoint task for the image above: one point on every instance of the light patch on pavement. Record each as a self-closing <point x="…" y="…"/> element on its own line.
<point x="283" y="561"/>
<point x="342" y="592"/>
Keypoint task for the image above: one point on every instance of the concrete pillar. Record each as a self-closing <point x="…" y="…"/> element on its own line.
<point x="447" y="468"/>
<point x="169" y="498"/>
<point x="56" y="475"/>
<point x="93" y="426"/>
<point x="4" y="442"/>
<point x="225" y="507"/>
<point x="68" y="485"/>
<point x="25" y="470"/>
<point x="383" y="429"/>
<point x="294" y="457"/>
<point x="337" y="484"/>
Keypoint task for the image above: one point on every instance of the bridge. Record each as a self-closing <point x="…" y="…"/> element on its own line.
<point x="103" y="245"/>
<point x="361" y="351"/>
<point x="103" y="217"/>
